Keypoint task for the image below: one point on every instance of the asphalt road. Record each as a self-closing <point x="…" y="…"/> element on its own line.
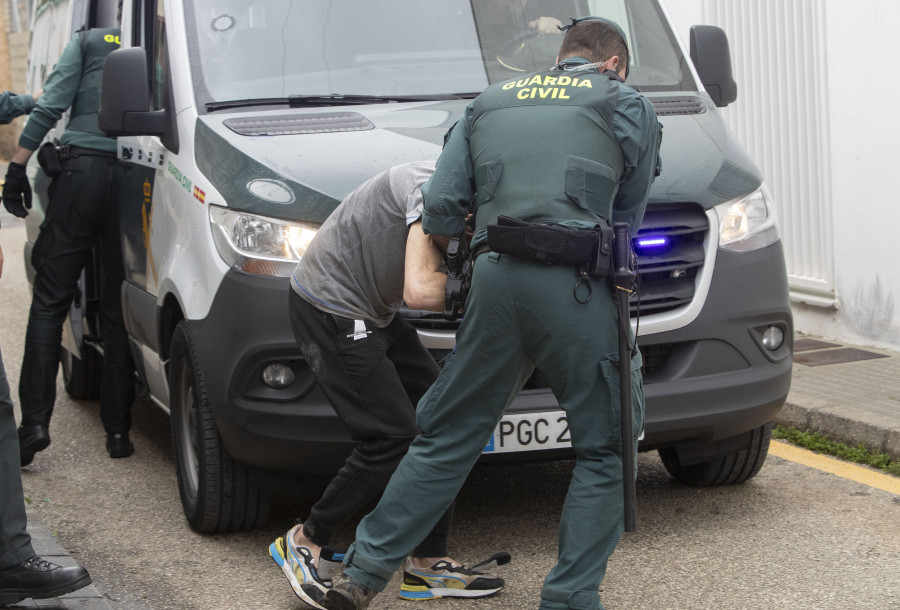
<point x="792" y="537"/>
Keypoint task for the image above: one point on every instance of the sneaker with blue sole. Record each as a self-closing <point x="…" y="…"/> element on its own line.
<point x="443" y="579"/>
<point x="296" y="562"/>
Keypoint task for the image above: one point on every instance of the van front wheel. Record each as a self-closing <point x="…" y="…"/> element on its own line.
<point x="217" y="493"/>
<point x="731" y="468"/>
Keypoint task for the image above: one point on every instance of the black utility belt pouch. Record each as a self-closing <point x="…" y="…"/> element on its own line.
<point x="552" y="243"/>
<point x="48" y="159"/>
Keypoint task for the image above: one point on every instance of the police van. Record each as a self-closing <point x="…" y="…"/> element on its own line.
<point x="245" y="122"/>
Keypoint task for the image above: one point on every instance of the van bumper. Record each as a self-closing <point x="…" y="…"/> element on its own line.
<point x="708" y="381"/>
<point x="291" y="429"/>
<point x="713" y="379"/>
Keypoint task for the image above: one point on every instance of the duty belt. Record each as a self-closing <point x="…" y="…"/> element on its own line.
<point x="73" y="152"/>
<point x="554" y="244"/>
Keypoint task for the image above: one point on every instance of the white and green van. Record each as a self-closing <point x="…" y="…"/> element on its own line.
<point x="247" y="121"/>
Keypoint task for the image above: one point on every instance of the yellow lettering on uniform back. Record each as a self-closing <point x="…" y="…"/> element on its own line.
<point x="535" y="80"/>
<point x="522" y="94"/>
<point x="549" y="81"/>
<point x="564" y="80"/>
<point x="562" y="94"/>
<point x="509" y="86"/>
<point x="585" y="83"/>
<point x="544" y="92"/>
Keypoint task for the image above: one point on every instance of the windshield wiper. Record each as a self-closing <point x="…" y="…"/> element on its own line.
<point x="299" y="101"/>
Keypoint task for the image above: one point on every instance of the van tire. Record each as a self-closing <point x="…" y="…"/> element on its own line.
<point x="82" y="376"/>
<point x="729" y="469"/>
<point x="217" y="493"/>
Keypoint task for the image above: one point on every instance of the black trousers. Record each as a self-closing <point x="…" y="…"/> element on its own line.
<point x="82" y="213"/>
<point x="15" y="543"/>
<point x="374" y="381"/>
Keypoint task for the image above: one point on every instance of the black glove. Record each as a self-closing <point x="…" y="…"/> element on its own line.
<point x="17" y="191"/>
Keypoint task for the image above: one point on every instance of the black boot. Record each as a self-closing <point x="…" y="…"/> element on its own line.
<point x="38" y="579"/>
<point x="119" y="445"/>
<point x="31" y="440"/>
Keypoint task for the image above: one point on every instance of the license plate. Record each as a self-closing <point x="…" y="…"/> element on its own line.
<point x="530" y="432"/>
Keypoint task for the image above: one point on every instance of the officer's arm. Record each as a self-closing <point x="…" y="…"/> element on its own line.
<point x="639" y="134"/>
<point x="448" y="192"/>
<point x="60" y="90"/>
<point x="424" y="282"/>
<point x="12" y="106"/>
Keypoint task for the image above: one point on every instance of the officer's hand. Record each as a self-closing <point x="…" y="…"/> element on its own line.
<point x="17" y="191"/>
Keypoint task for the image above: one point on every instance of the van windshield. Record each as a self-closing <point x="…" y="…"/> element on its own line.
<point x="245" y="50"/>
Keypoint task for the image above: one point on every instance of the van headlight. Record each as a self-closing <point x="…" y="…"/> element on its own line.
<point x="747" y="224"/>
<point x="259" y="244"/>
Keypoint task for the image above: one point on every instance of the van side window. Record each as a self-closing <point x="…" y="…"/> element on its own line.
<point x="160" y="59"/>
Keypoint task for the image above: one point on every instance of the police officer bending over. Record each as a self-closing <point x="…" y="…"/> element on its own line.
<point x="82" y="213"/>
<point x="575" y="147"/>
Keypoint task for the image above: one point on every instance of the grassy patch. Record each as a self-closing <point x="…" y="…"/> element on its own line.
<point x="823" y="444"/>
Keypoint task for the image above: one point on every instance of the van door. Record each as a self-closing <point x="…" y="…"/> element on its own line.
<point x="144" y="25"/>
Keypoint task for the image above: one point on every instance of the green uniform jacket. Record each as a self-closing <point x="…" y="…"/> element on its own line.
<point x="74" y="82"/>
<point x="12" y="106"/>
<point x="576" y="147"/>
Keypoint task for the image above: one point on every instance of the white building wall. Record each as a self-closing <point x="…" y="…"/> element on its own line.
<point x="816" y="110"/>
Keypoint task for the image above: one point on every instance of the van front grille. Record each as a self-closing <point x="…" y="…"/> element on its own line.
<point x="668" y="270"/>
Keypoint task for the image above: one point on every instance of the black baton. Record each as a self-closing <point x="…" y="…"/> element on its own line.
<point x="624" y="276"/>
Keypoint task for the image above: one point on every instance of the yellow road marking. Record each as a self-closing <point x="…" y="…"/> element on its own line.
<point x="859" y="474"/>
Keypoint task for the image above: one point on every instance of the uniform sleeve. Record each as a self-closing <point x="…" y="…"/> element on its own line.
<point x="60" y="90"/>
<point x="12" y="106"/>
<point x="639" y="135"/>
<point x="448" y="193"/>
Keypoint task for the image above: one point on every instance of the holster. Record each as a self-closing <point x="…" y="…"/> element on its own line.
<point x="553" y="243"/>
<point x="48" y="159"/>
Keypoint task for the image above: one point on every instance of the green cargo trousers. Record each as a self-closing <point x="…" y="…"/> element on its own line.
<point x="519" y="316"/>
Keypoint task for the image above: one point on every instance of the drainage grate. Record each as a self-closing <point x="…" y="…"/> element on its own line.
<point x="835" y="356"/>
<point x="807" y="345"/>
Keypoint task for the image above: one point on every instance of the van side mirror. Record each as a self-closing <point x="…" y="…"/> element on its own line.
<point x="712" y="58"/>
<point x="125" y="104"/>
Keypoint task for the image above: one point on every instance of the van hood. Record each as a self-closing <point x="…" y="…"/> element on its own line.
<point x="297" y="164"/>
<point x="702" y="161"/>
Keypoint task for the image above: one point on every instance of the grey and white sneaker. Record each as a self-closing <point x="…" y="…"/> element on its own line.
<point x="297" y="565"/>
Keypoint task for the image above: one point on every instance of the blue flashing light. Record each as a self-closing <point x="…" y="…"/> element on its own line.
<point x="652" y="243"/>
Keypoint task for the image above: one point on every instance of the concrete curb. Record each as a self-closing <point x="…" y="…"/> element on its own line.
<point x="843" y="423"/>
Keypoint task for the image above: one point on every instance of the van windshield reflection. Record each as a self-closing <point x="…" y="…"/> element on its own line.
<point x="263" y="50"/>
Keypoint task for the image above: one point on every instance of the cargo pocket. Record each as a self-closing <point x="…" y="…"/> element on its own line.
<point x="487" y="177"/>
<point x="591" y="185"/>
<point x="610" y="369"/>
